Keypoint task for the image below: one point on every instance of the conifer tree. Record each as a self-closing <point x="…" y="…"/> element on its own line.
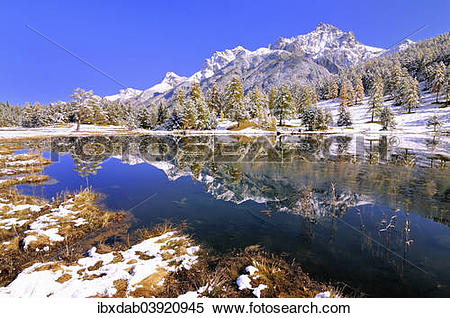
<point x="411" y="95"/>
<point x="305" y="99"/>
<point x="398" y="82"/>
<point x="313" y="93"/>
<point x="376" y="97"/>
<point x="344" y="117"/>
<point x="438" y="80"/>
<point x="333" y="90"/>
<point x="214" y="101"/>
<point x="446" y="88"/>
<point x="143" y="118"/>
<point x="131" y="121"/>
<point x="235" y="101"/>
<point x="387" y="118"/>
<point x="309" y="118"/>
<point x="189" y="114"/>
<point x="177" y="115"/>
<point x="283" y="104"/>
<point x="96" y="114"/>
<point x="314" y="118"/>
<point x="82" y="102"/>
<point x="434" y="122"/>
<point x="176" y="118"/>
<point x="343" y="96"/>
<point x="328" y="117"/>
<point x="271" y="98"/>
<point x="258" y="106"/>
<point x="359" y="90"/>
<point x="153" y="116"/>
<point x="162" y="113"/>
<point x="350" y="94"/>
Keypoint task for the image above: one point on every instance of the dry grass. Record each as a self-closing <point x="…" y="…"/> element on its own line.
<point x="219" y="274"/>
<point x="100" y="224"/>
<point x="157" y="230"/>
<point x="13" y="171"/>
<point x="33" y="179"/>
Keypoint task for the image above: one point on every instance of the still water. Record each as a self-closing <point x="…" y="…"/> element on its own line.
<point x="372" y="213"/>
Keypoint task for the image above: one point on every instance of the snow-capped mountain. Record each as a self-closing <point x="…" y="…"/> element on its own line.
<point x="301" y="58"/>
<point x="169" y="81"/>
<point x="399" y="47"/>
<point x="328" y="43"/>
<point x="125" y="94"/>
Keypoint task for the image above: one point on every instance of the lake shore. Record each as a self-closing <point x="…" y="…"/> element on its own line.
<point x="59" y="248"/>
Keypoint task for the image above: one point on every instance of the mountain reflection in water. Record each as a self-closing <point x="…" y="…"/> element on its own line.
<point x="372" y="213"/>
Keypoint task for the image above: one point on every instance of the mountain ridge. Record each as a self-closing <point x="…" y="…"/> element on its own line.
<point x="300" y="58"/>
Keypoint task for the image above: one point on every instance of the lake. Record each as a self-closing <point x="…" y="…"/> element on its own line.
<point x="368" y="212"/>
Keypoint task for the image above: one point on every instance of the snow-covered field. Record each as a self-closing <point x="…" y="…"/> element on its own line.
<point x="99" y="274"/>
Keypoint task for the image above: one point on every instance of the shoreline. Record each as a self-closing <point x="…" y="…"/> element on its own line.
<point x="91" y="130"/>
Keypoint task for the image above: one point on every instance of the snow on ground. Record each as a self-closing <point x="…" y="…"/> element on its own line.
<point x="98" y="274"/>
<point x="46" y="227"/>
<point x="325" y="294"/>
<point x="62" y="130"/>
<point x="414" y="123"/>
<point x="244" y="281"/>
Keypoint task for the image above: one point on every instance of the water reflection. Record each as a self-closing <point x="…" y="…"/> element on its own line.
<point x="372" y="212"/>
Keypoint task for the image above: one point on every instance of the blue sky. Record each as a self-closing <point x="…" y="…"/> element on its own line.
<point x="137" y="42"/>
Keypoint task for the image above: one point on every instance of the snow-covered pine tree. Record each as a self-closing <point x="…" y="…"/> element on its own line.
<point x="131" y="118"/>
<point x="398" y="83"/>
<point x="200" y="106"/>
<point x="359" y="90"/>
<point x="189" y="114"/>
<point x="438" y="80"/>
<point x="411" y="95"/>
<point x="214" y="100"/>
<point x="387" y="118"/>
<point x="328" y="117"/>
<point x="309" y="117"/>
<point x="143" y="119"/>
<point x="153" y="116"/>
<point x="95" y="113"/>
<point x="162" y="113"/>
<point x="284" y="107"/>
<point x="235" y="104"/>
<point x="350" y="94"/>
<point x="26" y="115"/>
<point x="446" y="88"/>
<point x="344" y="117"/>
<point x="434" y="122"/>
<point x="115" y="111"/>
<point x="82" y="102"/>
<point x="176" y="117"/>
<point x="313" y="93"/>
<point x="343" y="96"/>
<point x="271" y="97"/>
<point x="333" y="90"/>
<point x="304" y="99"/>
<point x="376" y="98"/>
<point x="258" y="106"/>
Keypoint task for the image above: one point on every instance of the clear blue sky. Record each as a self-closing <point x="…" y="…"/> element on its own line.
<point x="137" y="42"/>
